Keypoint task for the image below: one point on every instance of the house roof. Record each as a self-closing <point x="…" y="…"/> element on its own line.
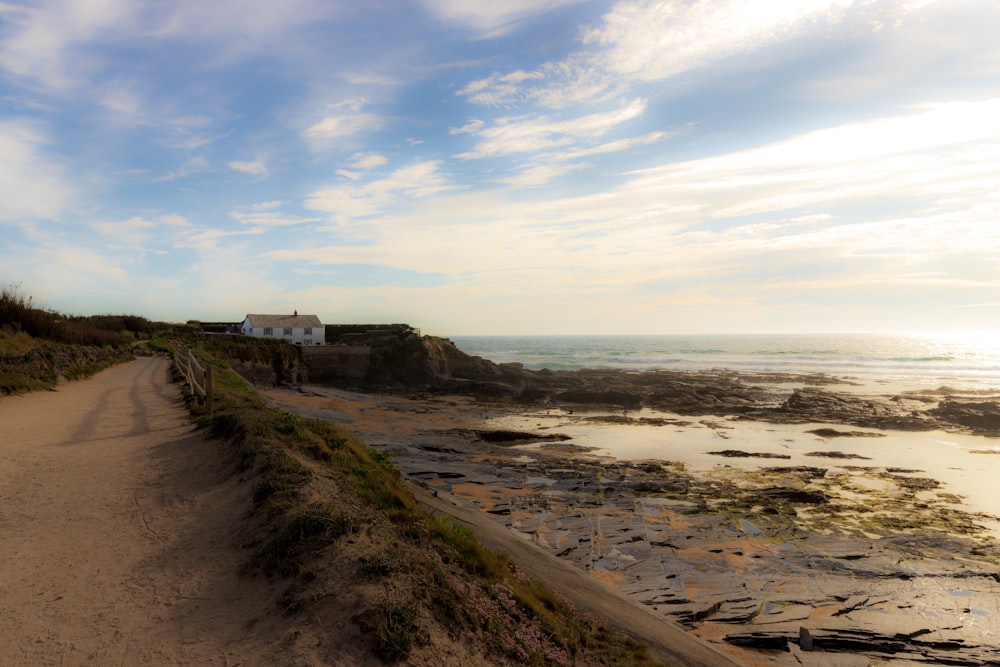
<point x="284" y="321"/>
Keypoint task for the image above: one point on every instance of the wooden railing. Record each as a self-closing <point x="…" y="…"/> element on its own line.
<point x="197" y="376"/>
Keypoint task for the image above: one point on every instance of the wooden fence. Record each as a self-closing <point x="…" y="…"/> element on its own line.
<point x="197" y="376"/>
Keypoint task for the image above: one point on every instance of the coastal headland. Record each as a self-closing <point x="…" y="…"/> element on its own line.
<point x="785" y="519"/>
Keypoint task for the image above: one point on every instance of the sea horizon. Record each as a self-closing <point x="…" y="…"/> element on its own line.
<point x="965" y="360"/>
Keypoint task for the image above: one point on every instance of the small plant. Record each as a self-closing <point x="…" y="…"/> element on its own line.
<point x="474" y="557"/>
<point x="309" y="530"/>
<point x="287" y="423"/>
<point x="379" y="566"/>
<point x="395" y="631"/>
<point x="382" y="457"/>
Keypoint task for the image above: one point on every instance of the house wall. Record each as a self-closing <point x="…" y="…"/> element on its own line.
<point x="296" y="335"/>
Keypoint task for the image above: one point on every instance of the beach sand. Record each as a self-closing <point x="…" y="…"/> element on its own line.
<point x="865" y="546"/>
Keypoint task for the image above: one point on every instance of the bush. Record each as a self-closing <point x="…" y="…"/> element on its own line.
<point x="18" y="313"/>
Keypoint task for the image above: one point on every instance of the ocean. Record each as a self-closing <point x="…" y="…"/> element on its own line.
<point x="968" y="361"/>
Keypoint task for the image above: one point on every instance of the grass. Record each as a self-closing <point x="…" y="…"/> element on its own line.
<point x="38" y="346"/>
<point x="14" y="343"/>
<point x="395" y="631"/>
<point x="18" y="383"/>
<point x="19" y="314"/>
<point x="321" y="494"/>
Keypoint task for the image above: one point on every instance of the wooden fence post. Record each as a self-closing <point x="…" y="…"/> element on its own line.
<point x="209" y="390"/>
<point x="198" y="377"/>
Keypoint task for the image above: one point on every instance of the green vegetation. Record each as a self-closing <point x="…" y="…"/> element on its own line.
<point x="18" y="314"/>
<point x="267" y="351"/>
<point x="321" y="494"/>
<point x="39" y="346"/>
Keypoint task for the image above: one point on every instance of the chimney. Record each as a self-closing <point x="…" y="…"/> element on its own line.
<point x="296" y="313"/>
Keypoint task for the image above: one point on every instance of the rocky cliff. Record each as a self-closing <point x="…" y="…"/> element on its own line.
<point x="409" y="361"/>
<point x="436" y="364"/>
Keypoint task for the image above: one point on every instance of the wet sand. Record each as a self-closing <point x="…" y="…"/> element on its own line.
<point x="865" y="546"/>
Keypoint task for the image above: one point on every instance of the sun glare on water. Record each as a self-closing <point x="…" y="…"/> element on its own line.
<point x="972" y="343"/>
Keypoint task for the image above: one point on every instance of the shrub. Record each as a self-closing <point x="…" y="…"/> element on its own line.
<point x="393" y="624"/>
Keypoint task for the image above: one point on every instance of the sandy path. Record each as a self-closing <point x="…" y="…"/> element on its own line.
<point x="116" y="532"/>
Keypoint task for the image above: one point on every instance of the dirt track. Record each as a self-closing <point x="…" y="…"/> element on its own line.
<point x="116" y="522"/>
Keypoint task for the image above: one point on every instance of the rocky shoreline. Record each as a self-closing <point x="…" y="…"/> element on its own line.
<point x="833" y="559"/>
<point x="758" y="562"/>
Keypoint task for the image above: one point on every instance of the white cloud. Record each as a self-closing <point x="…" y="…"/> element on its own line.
<point x="552" y="164"/>
<point x="472" y="127"/>
<point x="32" y="185"/>
<point x="771" y="219"/>
<point x="348" y="120"/>
<point x="256" y="167"/>
<point x="46" y="42"/>
<point x="491" y="19"/>
<point x="85" y="261"/>
<point x="136" y="224"/>
<point x="174" y="220"/>
<point x="263" y="216"/>
<point x="209" y="240"/>
<point x="507" y="89"/>
<point x="267" y="205"/>
<point x="194" y="165"/>
<point x="140" y="236"/>
<point x="539" y="174"/>
<point x="41" y="40"/>
<point x="649" y="40"/>
<point x="355" y="201"/>
<point x="366" y="161"/>
<point x="613" y="146"/>
<point x="529" y="134"/>
<point x="943" y="150"/>
<point x="346" y="125"/>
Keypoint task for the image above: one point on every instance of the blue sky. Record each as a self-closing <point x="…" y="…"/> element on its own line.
<point x="507" y="167"/>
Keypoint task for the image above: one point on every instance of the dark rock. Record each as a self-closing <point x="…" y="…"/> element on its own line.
<point x="518" y="437"/>
<point x="802" y="496"/>
<point x="834" y="433"/>
<point x="767" y="641"/>
<point x="596" y="397"/>
<point x="806" y="472"/>
<point x="838" y="455"/>
<point x="659" y="486"/>
<point x="982" y="417"/>
<point x="736" y="453"/>
<point x="916" y="483"/>
<point x="805" y="639"/>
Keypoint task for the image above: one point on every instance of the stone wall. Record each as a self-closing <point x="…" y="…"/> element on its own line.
<point x="337" y="364"/>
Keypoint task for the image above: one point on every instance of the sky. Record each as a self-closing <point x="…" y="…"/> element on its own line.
<point x="507" y="167"/>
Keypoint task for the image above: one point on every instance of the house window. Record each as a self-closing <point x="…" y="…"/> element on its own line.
<point x="268" y="331"/>
<point x="308" y="341"/>
<point x="308" y="331"/>
<point x="287" y="332"/>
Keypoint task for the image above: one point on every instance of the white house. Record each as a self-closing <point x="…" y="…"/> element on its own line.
<point x="296" y="329"/>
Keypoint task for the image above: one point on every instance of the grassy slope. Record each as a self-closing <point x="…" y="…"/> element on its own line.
<point x="38" y="347"/>
<point x="334" y="519"/>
